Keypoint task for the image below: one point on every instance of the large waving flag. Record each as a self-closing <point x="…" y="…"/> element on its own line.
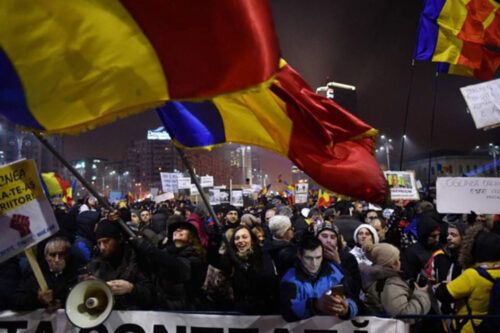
<point x="320" y="137"/>
<point x="66" y="66"/>
<point x="462" y="35"/>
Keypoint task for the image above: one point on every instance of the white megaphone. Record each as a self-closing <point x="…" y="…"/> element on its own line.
<point x="89" y="303"/>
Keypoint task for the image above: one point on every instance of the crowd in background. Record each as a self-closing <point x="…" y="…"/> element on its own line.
<point x="346" y="259"/>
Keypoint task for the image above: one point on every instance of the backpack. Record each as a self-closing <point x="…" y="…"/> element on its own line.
<point x="490" y="324"/>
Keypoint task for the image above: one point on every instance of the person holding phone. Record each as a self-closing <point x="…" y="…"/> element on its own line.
<point x="312" y="288"/>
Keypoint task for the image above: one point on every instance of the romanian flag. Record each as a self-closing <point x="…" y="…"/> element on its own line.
<point x="67" y="66"/>
<point x="324" y="199"/>
<point x="55" y="186"/>
<point x="321" y="138"/>
<point x="464" y="35"/>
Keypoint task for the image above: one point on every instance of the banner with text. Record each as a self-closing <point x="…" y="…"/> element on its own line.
<point x="26" y="216"/>
<point x="151" y="321"/>
<point x="483" y="102"/>
<point x="402" y="185"/>
<point x="207" y="181"/>
<point x="461" y="195"/>
<point x="301" y="193"/>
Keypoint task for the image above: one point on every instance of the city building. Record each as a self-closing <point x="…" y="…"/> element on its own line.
<point x="451" y="164"/>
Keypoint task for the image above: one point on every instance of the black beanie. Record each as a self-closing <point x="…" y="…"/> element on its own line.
<point x="108" y="229"/>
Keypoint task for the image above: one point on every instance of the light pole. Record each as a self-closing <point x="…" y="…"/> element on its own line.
<point x="494" y="150"/>
<point x="387" y="147"/>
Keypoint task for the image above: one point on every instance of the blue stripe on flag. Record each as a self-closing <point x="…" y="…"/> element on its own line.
<point x="193" y="124"/>
<point x="428" y="29"/>
<point x="12" y="99"/>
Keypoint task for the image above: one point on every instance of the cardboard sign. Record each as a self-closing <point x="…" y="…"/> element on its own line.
<point x="402" y="185"/>
<point x="26" y="216"/>
<point x="461" y="195"/>
<point x="483" y="102"/>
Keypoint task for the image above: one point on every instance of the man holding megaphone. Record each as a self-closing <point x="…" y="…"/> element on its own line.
<point x="116" y="264"/>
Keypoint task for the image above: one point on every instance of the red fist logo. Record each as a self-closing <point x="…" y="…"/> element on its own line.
<point x="21" y="223"/>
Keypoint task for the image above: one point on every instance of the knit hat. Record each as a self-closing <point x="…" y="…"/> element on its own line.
<point x="249" y="220"/>
<point x="382" y="254"/>
<point x="230" y="208"/>
<point x="108" y="229"/>
<point x="370" y="229"/>
<point x="328" y="226"/>
<point x="279" y="224"/>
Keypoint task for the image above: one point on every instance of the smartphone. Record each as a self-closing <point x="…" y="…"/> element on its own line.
<point x="338" y="290"/>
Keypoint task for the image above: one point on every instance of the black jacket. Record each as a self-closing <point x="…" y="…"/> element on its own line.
<point x="125" y="267"/>
<point x="177" y="274"/>
<point x="284" y="254"/>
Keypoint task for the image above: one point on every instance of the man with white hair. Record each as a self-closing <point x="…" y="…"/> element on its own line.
<point x="60" y="272"/>
<point x="282" y="248"/>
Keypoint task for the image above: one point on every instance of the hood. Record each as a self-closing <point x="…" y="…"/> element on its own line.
<point x="370" y="228"/>
<point x="370" y="274"/>
<point x="426" y="224"/>
<point x="479" y="245"/>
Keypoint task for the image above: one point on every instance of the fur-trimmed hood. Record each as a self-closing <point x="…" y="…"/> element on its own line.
<point x="479" y="245"/>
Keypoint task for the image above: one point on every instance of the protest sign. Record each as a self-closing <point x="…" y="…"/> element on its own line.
<point x="402" y="185"/>
<point x="214" y="196"/>
<point x="483" y="102"/>
<point x="301" y="192"/>
<point x="461" y="195"/>
<point x="164" y="197"/>
<point x="169" y="181"/>
<point x="194" y="190"/>
<point x="237" y="198"/>
<point x="207" y="181"/>
<point x="224" y="196"/>
<point x="26" y="216"/>
<point x="184" y="183"/>
<point x="158" y="321"/>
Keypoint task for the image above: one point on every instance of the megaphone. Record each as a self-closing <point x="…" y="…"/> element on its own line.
<point x="89" y="303"/>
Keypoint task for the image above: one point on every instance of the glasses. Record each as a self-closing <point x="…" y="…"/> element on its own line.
<point x="372" y="217"/>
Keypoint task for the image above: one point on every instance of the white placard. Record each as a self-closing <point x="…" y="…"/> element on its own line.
<point x="207" y="181"/>
<point x="184" y="183"/>
<point x="164" y="197"/>
<point x="237" y="198"/>
<point x="214" y="196"/>
<point x="194" y="190"/>
<point x="26" y="216"/>
<point x="483" y="101"/>
<point x="461" y="195"/>
<point x="302" y="188"/>
<point x="169" y="181"/>
<point x="157" y="321"/>
<point x="402" y="185"/>
<point x="300" y="198"/>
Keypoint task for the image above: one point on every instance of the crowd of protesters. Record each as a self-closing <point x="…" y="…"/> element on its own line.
<point x="347" y="259"/>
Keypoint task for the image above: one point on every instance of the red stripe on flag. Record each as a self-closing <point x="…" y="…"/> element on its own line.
<point x="320" y="142"/>
<point x="472" y="29"/>
<point x="209" y="47"/>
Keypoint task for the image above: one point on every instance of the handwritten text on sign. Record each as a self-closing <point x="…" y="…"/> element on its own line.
<point x="464" y="194"/>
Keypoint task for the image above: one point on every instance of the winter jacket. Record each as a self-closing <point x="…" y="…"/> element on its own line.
<point x="25" y="297"/>
<point x="253" y="279"/>
<point x="177" y="274"/>
<point x="124" y="267"/>
<point x="284" y="255"/>
<point x="299" y="291"/>
<point x="388" y="293"/>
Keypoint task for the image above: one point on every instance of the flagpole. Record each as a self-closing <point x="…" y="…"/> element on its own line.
<point x="186" y="163"/>
<point x="434" y="102"/>
<point x="82" y="180"/>
<point x="405" y="126"/>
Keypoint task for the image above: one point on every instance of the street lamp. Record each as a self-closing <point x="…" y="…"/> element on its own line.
<point x="494" y="150"/>
<point x="387" y="147"/>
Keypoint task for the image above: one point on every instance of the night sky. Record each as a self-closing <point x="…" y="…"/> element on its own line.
<point x="365" y="43"/>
